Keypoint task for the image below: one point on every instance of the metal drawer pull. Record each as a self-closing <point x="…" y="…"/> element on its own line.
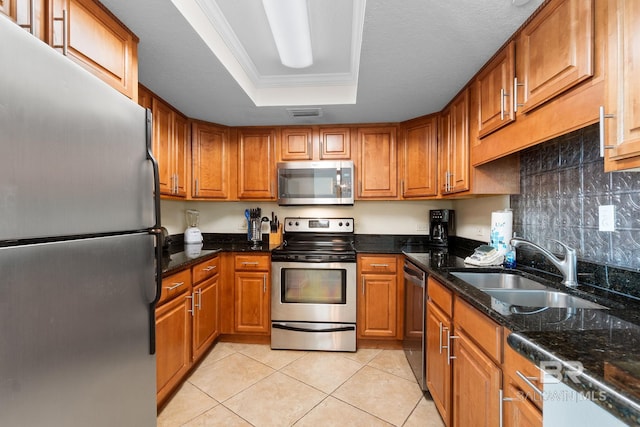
<point x="440" y="337"/>
<point x="527" y="380"/>
<point x="175" y="285"/>
<point x="250" y="263"/>
<point x="380" y="265"/>
<point x="199" y="304"/>
<point x="264" y="284"/>
<point x="603" y="116"/>
<point x="449" y="338"/>
<point x="192" y="305"/>
<point x="503" y="95"/>
<point x="502" y="399"/>
<point x="209" y="268"/>
<point x="515" y="94"/>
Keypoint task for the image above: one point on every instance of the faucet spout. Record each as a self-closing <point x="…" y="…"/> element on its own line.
<point x="567" y="265"/>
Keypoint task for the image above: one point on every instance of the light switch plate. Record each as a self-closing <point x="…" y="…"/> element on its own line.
<point x="607" y="218"/>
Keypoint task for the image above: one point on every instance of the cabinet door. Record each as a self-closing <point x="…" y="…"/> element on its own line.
<point x="181" y="142"/>
<point x="517" y="410"/>
<point x="376" y="167"/>
<point x="252" y="302"/>
<point x="454" y="152"/>
<point x="173" y="344"/>
<point x="622" y="130"/>
<point x="205" y="316"/>
<point x="555" y="51"/>
<point x="256" y="164"/>
<point x="495" y="92"/>
<point x="335" y="143"/>
<point x="32" y="20"/>
<point x="163" y="145"/>
<point x="438" y="363"/>
<point x="7" y="7"/>
<point x="476" y="385"/>
<point x="420" y="160"/>
<point x="377" y="306"/>
<point x="210" y="152"/>
<point x="296" y="144"/>
<point x="96" y="40"/>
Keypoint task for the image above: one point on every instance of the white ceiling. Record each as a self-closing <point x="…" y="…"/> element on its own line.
<point x="415" y="55"/>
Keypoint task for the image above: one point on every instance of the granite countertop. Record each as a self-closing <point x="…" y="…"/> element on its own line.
<point x="606" y="342"/>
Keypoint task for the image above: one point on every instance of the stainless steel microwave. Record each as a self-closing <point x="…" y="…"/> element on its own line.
<point x="316" y="183"/>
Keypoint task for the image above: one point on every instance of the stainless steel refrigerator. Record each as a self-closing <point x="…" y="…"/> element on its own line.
<point x="78" y="220"/>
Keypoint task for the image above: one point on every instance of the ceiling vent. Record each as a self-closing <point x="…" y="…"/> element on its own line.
<point x="304" y="113"/>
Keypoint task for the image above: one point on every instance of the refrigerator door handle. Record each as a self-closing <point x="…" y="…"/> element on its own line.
<point x="157" y="232"/>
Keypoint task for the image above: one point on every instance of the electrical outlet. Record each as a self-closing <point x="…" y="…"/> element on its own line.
<point x="607" y="218"/>
<point x="422" y="227"/>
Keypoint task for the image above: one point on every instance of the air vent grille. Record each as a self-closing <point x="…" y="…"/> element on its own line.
<point x="297" y="113"/>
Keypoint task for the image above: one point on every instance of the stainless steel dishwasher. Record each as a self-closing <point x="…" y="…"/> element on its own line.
<point x="414" y="342"/>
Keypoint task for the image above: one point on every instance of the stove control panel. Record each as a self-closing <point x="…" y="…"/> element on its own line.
<point x="318" y="225"/>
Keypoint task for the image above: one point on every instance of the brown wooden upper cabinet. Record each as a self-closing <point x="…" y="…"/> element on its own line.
<point x="495" y="86"/>
<point x="210" y="161"/>
<point x="314" y="143"/>
<point x="29" y="14"/>
<point x="419" y="158"/>
<point x="621" y="115"/>
<point x="376" y="167"/>
<point x="555" y="52"/>
<point x="256" y="163"/>
<point x="454" y="146"/>
<point x="87" y="33"/>
<point x="170" y="139"/>
<point x="7" y="7"/>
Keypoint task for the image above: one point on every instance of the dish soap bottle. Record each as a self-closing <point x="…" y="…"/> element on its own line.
<point x="510" y="258"/>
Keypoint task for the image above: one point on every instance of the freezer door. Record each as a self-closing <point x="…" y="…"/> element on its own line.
<point x="72" y="149"/>
<point x="74" y="340"/>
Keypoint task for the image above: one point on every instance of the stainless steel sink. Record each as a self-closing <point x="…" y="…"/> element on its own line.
<point x="540" y="298"/>
<point x="498" y="280"/>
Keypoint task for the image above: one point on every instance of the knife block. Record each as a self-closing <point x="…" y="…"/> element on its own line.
<point x="275" y="239"/>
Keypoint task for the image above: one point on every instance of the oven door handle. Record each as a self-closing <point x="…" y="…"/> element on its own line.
<point x="294" y="328"/>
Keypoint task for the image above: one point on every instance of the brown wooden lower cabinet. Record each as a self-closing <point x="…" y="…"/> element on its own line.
<point x="206" y="324"/>
<point x="252" y="291"/>
<point x="173" y="344"/>
<point x="439" y="366"/>
<point x="517" y="410"/>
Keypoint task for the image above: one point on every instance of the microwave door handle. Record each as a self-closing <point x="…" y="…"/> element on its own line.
<point x="339" y="183"/>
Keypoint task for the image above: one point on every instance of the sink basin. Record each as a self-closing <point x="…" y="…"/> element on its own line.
<point x="498" y="280"/>
<point x="540" y="298"/>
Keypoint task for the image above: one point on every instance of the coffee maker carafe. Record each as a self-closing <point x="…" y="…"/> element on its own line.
<point x="441" y="226"/>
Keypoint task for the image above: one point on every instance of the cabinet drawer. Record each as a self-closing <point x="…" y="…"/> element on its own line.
<point x="175" y="284"/>
<point x="377" y="264"/>
<point x="440" y="295"/>
<point x="252" y="262"/>
<point x="515" y="363"/>
<point x="485" y="332"/>
<point x="206" y="269"/>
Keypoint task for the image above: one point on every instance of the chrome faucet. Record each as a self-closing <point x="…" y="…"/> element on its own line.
<point x="567" y="265"/>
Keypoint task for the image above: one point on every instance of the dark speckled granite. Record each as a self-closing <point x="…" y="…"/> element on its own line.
<point x="391" y="244"/>
<point x="592" y="337"/>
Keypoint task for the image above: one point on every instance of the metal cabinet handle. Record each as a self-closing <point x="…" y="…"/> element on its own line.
<point x="362" y="285"/>
<point x="192" y="311"/>
<point x="516" y="85"/>
<point x="175" y="285"/>
<point x="31" y="26"/>
<point x="528" y="380"/>
<point x="264" y="284"/>
<point x="502" y="399"/>
<point x="250" y="263"/>
<point x="199" y="304"/>
<point x="603" y="116"/>
<point x="449" y="338"/>
<point x="502" y="95"/>
<point x="440" y="327"/>
<point x="380" y="265"/>
<point x="65" y="35"/>
<point x="197" y="185"/>
<point x="209" y="268"/>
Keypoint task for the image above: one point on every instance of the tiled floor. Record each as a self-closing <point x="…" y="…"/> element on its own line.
<point x="252" y="385"/>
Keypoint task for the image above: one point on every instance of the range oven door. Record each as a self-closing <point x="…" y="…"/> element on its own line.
<point x="313" y="306"/>
<point x="313" y="292"/>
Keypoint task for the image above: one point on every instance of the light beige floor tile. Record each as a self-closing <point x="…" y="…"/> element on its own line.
<point x="325" y="371"/>
<point x="218" y="417"/>
<point x="228" y="376"/>
<point x="277" y="359"/>
<point x="277" y="400"/>
<point x="363" y="355"/>
<point x="219" y="351"/>
<point x="393" y="362"/>
<point x="425" y="415"/>
<point x="188" y="402"/>
<point x="332" y="412"/>
<point x="384" y="395"/>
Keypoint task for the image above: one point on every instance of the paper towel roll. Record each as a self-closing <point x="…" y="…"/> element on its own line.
<point x="501" y="230"/>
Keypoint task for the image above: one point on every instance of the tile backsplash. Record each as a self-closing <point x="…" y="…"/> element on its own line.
<point x="563" y="183"/>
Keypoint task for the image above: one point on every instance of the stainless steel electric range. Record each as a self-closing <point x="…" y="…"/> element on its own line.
<point x="313" y="300"/>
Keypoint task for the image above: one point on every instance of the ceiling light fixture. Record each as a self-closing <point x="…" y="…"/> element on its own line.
<point x="289" y="22"/>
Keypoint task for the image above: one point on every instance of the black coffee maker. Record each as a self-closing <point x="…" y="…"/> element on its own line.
<point x="441" y="226"/>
